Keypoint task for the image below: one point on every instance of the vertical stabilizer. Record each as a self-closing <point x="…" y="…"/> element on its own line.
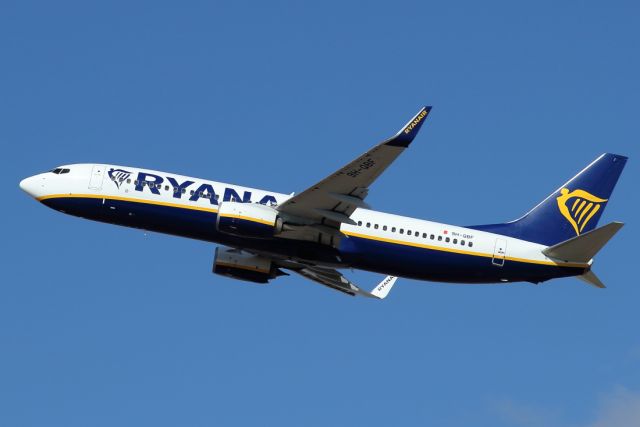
<point x="572" y="210"/>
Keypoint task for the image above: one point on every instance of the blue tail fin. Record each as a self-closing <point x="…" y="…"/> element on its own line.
<point x="572" y="209"/>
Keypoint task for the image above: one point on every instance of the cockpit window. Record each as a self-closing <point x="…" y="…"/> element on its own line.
<point x="58" y="171"/>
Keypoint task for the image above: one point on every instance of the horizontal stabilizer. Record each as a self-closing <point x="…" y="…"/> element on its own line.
<point x="584" y="247"/>
<point x="590" y="278"/>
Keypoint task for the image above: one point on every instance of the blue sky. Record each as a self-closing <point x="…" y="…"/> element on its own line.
<point x="107" y="326"/>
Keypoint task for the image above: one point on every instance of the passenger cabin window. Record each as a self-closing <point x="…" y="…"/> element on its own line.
<point x="439" y="238"/>
<point x="368" y="225"/>
<point x="402" y="231"/>
<point x="447" y="240"/>
<point x="462" y="242"/>
<point x="375" y="226"/>
<point x="432" y="237"/>
<point x="455" y="241"/>
<point x="470" y="244"/>
<point x="393" y="229"/>
<point x="384" y="228"/>
<point x="424" y="235"/>
<point x="359" y="223"/>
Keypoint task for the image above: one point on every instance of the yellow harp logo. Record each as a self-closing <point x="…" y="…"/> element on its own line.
<point x="578" y="207"/>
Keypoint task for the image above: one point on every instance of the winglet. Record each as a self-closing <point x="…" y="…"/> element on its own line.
<point x="404" y="137"/>
<point x="382" y="290"/>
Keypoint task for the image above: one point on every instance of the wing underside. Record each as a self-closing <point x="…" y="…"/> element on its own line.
<point x="335" y="280"/>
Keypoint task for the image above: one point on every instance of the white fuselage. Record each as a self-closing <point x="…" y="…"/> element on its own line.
<point x="114" y="188"/>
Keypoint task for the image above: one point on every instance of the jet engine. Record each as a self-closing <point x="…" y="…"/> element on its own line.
<point x="244" y="266"/>
<point x="248" y="220"/>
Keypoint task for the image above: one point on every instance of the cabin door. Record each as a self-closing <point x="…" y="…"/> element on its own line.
<point x="97" y="175"/>
<point x="499" y="252"/>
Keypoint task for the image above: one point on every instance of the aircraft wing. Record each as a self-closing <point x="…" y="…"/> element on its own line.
<point x="335" y="280"/>
<point x="330" y="202"/>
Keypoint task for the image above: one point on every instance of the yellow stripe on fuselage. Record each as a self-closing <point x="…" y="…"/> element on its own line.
<point x="460" y="251"/>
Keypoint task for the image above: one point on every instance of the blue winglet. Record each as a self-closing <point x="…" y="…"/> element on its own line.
<point x="410" y="130"/>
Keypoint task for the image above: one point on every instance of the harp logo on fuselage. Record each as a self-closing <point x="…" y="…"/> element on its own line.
<point x="118" y="176"/>
<point x="578" y="207"/>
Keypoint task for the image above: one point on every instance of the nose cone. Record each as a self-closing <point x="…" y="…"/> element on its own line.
<point x="30" y="186"/>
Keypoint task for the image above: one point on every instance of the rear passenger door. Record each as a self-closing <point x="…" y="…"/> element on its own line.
<point x="499" y="252"/>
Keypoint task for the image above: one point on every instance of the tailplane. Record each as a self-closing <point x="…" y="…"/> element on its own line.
<point x="583" y="248"/>
<point x="572" y="210"/>
<point x="590" y="278"/>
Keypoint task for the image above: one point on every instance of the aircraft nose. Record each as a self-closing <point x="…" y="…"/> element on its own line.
<point x="29" y="185"/>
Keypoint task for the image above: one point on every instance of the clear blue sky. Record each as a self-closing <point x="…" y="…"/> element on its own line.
<point x="104" y="326"/>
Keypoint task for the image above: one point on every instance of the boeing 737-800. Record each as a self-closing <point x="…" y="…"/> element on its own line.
<point x="329" y="226"/>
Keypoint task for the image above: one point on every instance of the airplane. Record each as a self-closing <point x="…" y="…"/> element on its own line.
<point x="329" y="226"/>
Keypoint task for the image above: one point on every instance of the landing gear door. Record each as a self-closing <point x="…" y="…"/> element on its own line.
<point x="97" y="175"/>
<point x="499" y="252"/>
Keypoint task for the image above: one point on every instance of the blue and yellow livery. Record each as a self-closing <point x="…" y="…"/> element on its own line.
<point x="329" y="226"/>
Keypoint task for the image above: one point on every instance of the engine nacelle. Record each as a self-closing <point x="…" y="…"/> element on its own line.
<point x="248" y="220"/>
<point x="244" y="266"/>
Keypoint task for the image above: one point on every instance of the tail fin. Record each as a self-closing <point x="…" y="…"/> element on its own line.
<point x="571" y="210"/>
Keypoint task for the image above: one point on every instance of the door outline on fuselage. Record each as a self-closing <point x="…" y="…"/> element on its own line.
<point x="499" y="252"/>
<point x="97" y="177"/>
